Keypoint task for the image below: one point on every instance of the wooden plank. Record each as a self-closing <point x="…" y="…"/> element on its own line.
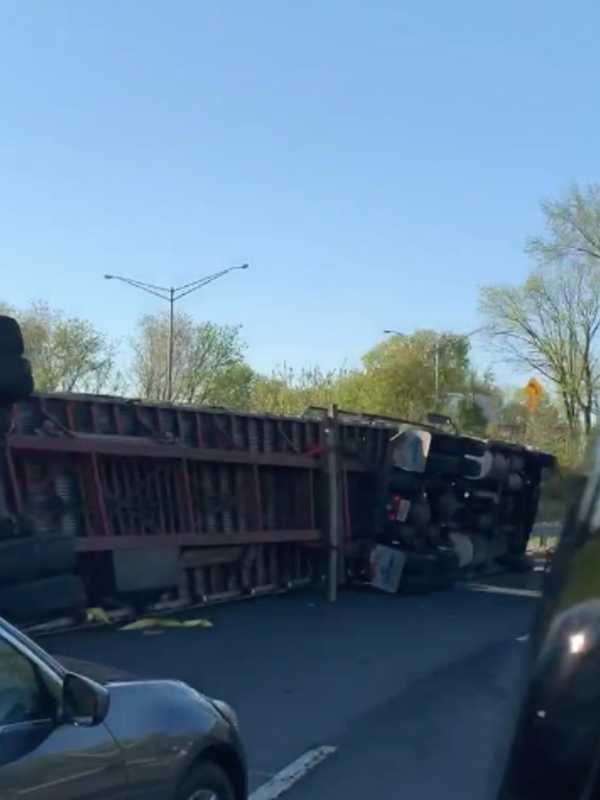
<point x="167" y="495"/>
<point x="273" y="554"/>
<point x="188" y="502"/>
<point x="238" y="481"/>
<point x="183" y="586"/>
<point x="82" y="472"/>
<point x="94" y="543"/>
<point x="159" y="500"/>
<point x="260" y="519"/>
<point x="143" y="494"/>
<point x="199" y="583"/>
<point x="123" y="478"/>
<point x="208" y="494"/>
<point x="98" y="496"/>
<point x="260" y="566"/>
<point x="14" y="481"/>
<point x="225" y="493"/>
<point x="109" y="483"/>
<point x="312" y="522"/>
<point x="247" y="569"/>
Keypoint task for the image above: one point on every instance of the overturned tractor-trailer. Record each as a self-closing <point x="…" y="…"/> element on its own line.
<point x="106" y="498"/>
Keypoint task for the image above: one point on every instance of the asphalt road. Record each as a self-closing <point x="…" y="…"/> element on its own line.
<point x="416" y="693"/>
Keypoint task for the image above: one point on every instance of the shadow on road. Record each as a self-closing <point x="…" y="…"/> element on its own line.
<point x="397" y="676"/>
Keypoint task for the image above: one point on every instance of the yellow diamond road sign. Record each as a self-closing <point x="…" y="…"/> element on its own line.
<point x="533" y="392"/>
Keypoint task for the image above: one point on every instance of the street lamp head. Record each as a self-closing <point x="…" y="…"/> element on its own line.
<point x="244" y="266"/>
<point x="109" y="277"/>
<point x="395" y="333"/>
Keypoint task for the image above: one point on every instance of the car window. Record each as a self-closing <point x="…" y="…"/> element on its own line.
<point x="24" y="695"/>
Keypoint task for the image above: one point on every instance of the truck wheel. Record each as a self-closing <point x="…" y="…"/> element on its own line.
<point x="206" y="781"/>
<point x="447" y="444"/>
<point x="11" y="338"/>
<point x="17" y="560"/>
<point x="452" y="466"/>
<point x="16" y="381"/>
<point x="54" y="555"/>
<point x="35" y="601"/>
<point x="405" y="482"/>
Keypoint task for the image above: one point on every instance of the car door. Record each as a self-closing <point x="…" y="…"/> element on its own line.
<point x="40" y="757"/>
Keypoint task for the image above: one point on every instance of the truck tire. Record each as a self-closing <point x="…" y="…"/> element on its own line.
<point x="420" y="512"/>
<point x="421" y="563"/>
<point x="35" y="601"/>
<point x="16" y="381"/>
<point x="426" y="573"/>
<point x="514" y="482"/>
<point x="11" y="337"/>
<point x="30" y="557"/>
<point x="518" y="540"/>
<point x="457" y="445"/>
<point x="17" y="560"/>
<point x="6" y="419"/>
<point x="404" y="482"/>
<point x="452" y="466"/>
<point x="445" y="506"/>
<point x="54" y="555"/>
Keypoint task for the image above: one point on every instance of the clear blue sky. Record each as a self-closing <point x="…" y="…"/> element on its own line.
<point x="374" y="162"/>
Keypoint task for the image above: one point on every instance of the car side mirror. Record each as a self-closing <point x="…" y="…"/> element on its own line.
<point x="84" y="702"/>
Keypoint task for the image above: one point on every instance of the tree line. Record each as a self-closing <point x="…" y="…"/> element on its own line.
<point x="547" y="325"/>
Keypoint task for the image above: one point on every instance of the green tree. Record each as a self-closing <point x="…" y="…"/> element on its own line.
<point x="400" y="373"/>
<point x="232" y="387"/>
<point x="208" y="363"/>
<point x="572" y="228"/>
<point x="289" y="391"/>
<point x="67" y="354"/>
<point x="550" y="324"/>
<point x="544" y="428"/>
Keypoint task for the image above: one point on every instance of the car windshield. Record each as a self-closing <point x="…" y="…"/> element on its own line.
<point x="299" y="382"/>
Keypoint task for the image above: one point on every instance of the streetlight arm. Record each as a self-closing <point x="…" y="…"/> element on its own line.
<point x="188" y="288"/>
<point x="146" y="287"/>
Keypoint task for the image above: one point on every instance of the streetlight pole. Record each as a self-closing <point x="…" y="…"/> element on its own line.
<point x="170" y="355"/>
<point x="172" y="294"/>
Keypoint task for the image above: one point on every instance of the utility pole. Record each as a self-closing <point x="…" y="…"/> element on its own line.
<point x="172" y="294"/>
<point x="170" y="355"/>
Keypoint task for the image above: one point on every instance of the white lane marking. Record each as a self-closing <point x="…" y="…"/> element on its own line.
<point x="486" y="587"/>
<point x="291" y="774"/>
<point x="523" y="638"/>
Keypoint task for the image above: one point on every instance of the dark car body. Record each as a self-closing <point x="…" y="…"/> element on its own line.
<point x="555" y="752"/>
<point x="151" y="737"/>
